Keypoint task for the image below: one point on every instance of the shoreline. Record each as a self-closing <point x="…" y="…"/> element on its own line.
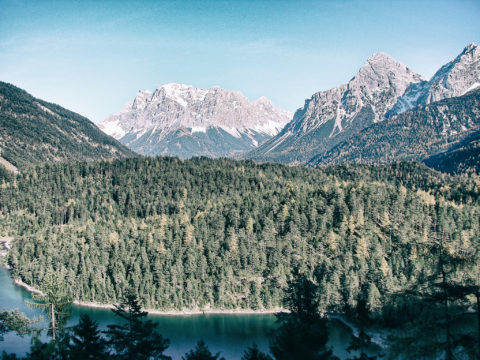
<point x="186" y="312"/>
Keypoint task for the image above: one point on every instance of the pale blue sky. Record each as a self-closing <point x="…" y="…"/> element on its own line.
<point x="93" y="56"/>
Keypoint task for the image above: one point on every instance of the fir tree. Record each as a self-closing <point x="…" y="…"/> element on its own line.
<point x="55" y="300"/>
<point x="86" y="341"/>
<point x="201" y="352"/>
<point x="302" y="333"/>
<point x="252" y="353"/>
<point x="137" y="338"/>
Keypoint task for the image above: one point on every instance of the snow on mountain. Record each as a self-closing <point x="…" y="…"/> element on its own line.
<point x="328" y="116"/>
<point x="382" y="88"/>
<point x="455" y="78"/>
<point x="178" y="119"/>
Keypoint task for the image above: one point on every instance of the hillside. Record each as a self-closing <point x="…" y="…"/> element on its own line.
<point x="381" y="89"/>
<point x="222" y="234"/>
<point x="414" y="135"/>
<point x="464" y="157"/>
<point x="34" y="131"/>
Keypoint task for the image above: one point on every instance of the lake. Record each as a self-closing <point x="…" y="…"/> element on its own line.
<point x="229" y="334"/>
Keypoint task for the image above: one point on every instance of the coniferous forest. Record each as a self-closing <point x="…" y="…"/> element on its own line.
<point x="220" y="234"/>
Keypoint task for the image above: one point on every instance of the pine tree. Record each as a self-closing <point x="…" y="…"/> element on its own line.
<point x="137" y="338"/>
<point x="302" y="333"/>
<point x="252" y="353"/>
<point x="14" y="321"/>
<point x="201" y="352"/>
<point x="55" y="300"/>
<point x="86" y="341"/>
<point x="361" y="342"/>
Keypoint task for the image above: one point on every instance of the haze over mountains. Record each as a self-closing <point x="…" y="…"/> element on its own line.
<point x="184" y="121"/>
<point x="381" y="89"/>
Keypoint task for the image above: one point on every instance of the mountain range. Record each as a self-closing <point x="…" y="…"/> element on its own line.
<point x="416" y="134"/>
<point x="382" y="89"/>
<point x="184" y="121"/>
<point x="386" y="112"/>
<point x="34" y="131"/>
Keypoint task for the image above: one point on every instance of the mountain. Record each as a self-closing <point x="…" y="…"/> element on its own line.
<point x="381" y="89"/>
<point x="34" y="131"/>
<point x="455" y="78"/>
<point x="413" y="135"/>
<point x="464" y="157"/>
<point x="331" y="116"/>
<point x="184" y="121"/>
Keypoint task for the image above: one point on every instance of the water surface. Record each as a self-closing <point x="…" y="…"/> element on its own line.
<point x="229" y="334"/>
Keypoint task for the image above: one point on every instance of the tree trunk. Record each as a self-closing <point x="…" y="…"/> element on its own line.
<point x="478" y="321"/>
<point x="53" y="322"/>
<point x="447" y="317"/>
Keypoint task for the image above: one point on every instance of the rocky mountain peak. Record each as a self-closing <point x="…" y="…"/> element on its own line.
<point x="154" y="117"/>
<point x="382" y="88"/>
<point x="455" y="78"/>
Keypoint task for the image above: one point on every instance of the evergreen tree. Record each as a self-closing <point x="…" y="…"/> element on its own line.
<point x="86" y="341"/>
<point x="361" y="343"/>
<point x="55" y="300"/>
<point x="302" y="333"/>
<point x="201" y="352"/>
<point x="252" y="353"/>
<point x="137" y="338"/>
<point x="14" y="321"/>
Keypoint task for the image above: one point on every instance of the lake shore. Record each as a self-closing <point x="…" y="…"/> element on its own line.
<point x="185" y="312"/>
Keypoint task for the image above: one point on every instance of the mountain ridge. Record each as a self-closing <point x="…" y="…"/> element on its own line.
<point x="382" y="88"/>
<point x="34" y="131"/>
<point x="416" y="134"/>
<point x="178" y="119"/>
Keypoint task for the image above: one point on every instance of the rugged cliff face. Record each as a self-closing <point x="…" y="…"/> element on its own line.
<point x="181" y="120"/>
<point x="416" y="134"/>
<point x="382" y="88"/>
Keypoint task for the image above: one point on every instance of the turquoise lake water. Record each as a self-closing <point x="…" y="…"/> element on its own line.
<point x="229" y="334"/>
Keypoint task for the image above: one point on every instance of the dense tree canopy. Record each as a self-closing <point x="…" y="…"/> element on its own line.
<point x="206" y="233"/>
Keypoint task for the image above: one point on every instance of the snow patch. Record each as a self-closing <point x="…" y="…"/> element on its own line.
<point x="199" y="129"/>
<point x="474" y="86"/>
<point x="112" y="128"/>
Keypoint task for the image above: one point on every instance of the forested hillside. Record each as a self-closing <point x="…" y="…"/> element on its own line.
<point x="414" y="135"/>
<point x="34" y="131"/>
<point x="217" y="234"/>
<point x="464" y="157"/>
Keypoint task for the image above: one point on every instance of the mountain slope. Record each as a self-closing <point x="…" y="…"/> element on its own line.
<point x="461" y="158"/>
<point x="181" y="120"/>
<point x="382" y="89"/>
<point x="331" y="116"/>
<point x="455" y="78"/>
<point x="414" y="135"/>
<point x="34" y="131"/>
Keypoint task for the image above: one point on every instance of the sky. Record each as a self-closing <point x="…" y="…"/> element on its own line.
<point x="93" y="57"/>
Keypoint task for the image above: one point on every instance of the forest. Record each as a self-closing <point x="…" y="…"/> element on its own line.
<point x="222" y="234"/>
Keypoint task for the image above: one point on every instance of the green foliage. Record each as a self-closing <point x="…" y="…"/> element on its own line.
<point x="252" y="353"/>
<point x="302" y="332"/>
<point x="201" y="352"/>
<point x="413" y="135"/>
<point x="34" y="131"/>
<point x="55" y="300"/>
<point x="14" y="321"/>
<point x="223" y="234"/>
<point x="86" y="341"/>
<point x="137" y="338"/>
<point x="463" y="157"/>
<point x="361" y="343"/>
